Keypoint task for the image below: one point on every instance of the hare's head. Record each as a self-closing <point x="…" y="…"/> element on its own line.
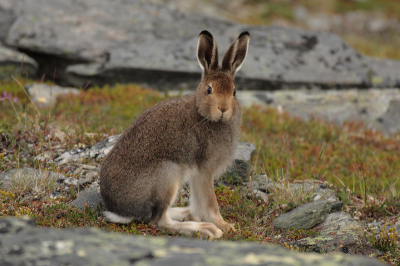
<point x="216" y="92"/>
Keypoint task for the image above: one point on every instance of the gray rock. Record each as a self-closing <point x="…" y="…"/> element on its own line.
<point x="339" y="232"/>
<point x="123" y="41"/>
<point x="90" y="197"/>
<point x="259" y="182"/>
<point x="258" y="193"/>
<point x="344" y="241"/>
<point x="7" y="18"/>
<point x="45" y="95"/>
<point x="378" y="227"/>
<point x="245" y="152"/>
<point x="376" y="108"/>
<point x="374" y="226"/>
<point x="390" y="120"/>
<point x="23" y="243"/>
<point x="237" y="174"/>
<point x="340" y="221"/>
<point x="97" y="151"/>
<point x="240" y="171"/>
<point x="11" y="61"/>
<point x="306" y="216"/>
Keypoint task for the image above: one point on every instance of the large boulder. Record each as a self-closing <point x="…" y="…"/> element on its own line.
<point x="22" y="243"/>
<point x="155" y="44"/>
<point x="7" y="18"/>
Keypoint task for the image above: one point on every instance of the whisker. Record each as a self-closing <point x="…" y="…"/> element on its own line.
<point x="200" y="122"/>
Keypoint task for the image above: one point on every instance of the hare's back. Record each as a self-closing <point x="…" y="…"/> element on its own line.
<point x="159" y="133"/>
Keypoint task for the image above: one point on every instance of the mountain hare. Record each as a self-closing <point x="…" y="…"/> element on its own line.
<point x="190" y="139"/>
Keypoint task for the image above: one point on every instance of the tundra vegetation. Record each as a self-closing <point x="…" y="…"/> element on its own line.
<point x="361" y="165"/>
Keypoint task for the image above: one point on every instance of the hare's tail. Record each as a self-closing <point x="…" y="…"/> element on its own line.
<point x="115" y="218"/>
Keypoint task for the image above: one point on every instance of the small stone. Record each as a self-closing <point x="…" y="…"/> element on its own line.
<point x="345" y="241"/>
<point x="245" y="152"/>
<point x="237" y="174"/>
<point x="307" y="216"/>
<point x="262" y="195"/>
<point x="340" y="221"/>
<point x="91" y="152"/>
<point x="45" y="95"/>
<point x="259" y="182"/>
<point x="92" y="175"/>
<point x="16" y="250"/>
<point x="90" y="197"/>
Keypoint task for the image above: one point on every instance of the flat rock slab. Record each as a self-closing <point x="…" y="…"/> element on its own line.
<point x="155" y="44"/>
<point x="24" y="243"/>
<point x="344" y="241"/>
<point x="13" y="63"/>
<point x="376" y="108"/>
<point x="307" y="216"/>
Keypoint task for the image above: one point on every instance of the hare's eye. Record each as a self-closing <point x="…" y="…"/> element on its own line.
<point x="234" y="92"/>
<point x="209" y="90"/>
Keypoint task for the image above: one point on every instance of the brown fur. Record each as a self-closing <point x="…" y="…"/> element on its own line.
<point x="195" y="135"/>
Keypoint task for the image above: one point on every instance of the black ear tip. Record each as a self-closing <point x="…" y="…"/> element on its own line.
<point x="205" y="32"/>
<point x="244" y="33"/>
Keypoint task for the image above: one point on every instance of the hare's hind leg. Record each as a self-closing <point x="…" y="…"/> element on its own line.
<point x="179" y="213"/>
<point x="203" y="201"/>
<point x="166" y="216"/>
<point x="189" y="228"/>
<point x="165" y="219"/>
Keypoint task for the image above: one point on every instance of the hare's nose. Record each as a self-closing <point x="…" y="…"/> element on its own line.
<point x="223" y="109"/>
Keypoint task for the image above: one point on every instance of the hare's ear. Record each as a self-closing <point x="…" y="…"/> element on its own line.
<point x="236" y="54"/>
<point x="207" y="52"/>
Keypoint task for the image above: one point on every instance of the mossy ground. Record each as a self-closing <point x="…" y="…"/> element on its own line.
<point x="362" y="165"/>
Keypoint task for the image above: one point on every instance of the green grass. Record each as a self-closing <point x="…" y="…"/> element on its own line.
<point x="363" y="166"/>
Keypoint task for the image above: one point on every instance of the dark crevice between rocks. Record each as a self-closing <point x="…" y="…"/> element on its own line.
<point x="171" y="80"/>
<point x="157" y="79"/>
<point x="52" y="66"/>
